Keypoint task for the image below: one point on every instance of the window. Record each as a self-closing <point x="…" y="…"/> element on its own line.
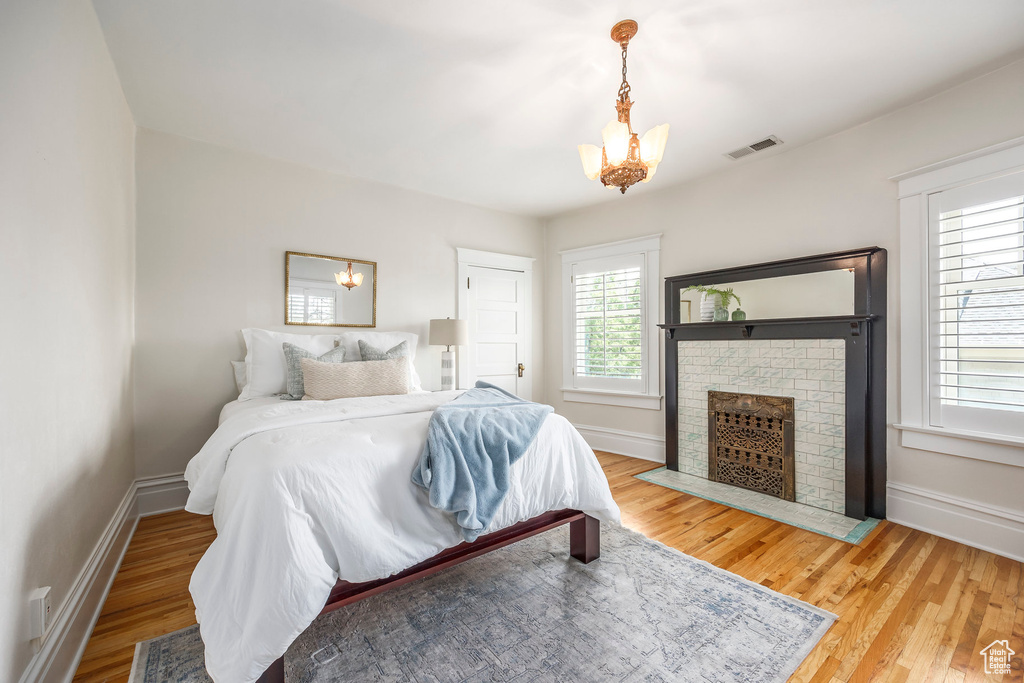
<point x="962" y="306"/>
<point x="609" y="321"/>
<point x="611" y="335"/>
<point x="314" y="306"/>
<point x="976" y="283"/>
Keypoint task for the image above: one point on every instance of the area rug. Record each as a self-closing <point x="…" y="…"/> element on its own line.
<point x="528" y="612"/>
<point x="824" y="522"/>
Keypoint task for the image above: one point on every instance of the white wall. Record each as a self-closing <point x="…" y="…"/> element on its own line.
<point x="826" y="196"/>
<point x="213" y="227"/>
<point x="66" y="292"/>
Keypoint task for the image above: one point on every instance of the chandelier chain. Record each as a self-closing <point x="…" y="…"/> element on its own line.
<point x="624" y="88"/>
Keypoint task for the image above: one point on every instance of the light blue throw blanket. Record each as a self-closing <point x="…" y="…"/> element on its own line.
<point x="471" y="445"/>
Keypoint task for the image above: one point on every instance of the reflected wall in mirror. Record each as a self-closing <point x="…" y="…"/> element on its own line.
<point x="823" y="293"/>
<point x="329" y="291"/>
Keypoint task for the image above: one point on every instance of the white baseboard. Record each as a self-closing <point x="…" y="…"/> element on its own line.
<point x="63" y="645"/>
<point x="161" y="494"/>
<point x="633" y="444"/>
<point x="986" y="527"/>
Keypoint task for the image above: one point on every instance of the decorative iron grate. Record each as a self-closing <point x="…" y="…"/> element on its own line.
<point x="750" y="442"/>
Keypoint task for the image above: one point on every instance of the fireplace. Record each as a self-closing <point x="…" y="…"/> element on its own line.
<point x="830" y="365"/>
<point x="809" y="372"/>
<point x="750" y="442"/>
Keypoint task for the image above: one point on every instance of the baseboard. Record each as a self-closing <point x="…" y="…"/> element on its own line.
<point x="633" y="444"/>
<point x="63" y="645"/>
<point x="161" y="494"/>
<point x="986" y="527"/>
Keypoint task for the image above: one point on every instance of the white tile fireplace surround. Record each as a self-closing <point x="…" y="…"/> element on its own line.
<point x="811" y="371"/>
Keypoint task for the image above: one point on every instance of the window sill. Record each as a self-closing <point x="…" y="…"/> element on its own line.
<point x="612" y="398"/>
<point x="1005" y="450"/>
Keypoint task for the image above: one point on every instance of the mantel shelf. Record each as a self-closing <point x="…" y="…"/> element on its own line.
<point x="746" y="326"/>
<point x="775" y="321"/>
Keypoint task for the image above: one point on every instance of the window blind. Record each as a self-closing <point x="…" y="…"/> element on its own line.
<point x="296" y="308"/>
<point x="980" y="305"/>
<point x="608" y="329"/>
<point x="307" y="306"/>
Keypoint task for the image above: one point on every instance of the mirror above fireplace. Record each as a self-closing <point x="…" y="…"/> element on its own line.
<point x="805" y="295"/>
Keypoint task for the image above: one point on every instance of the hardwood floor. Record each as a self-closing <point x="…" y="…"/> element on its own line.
<point x="149" y="596"/>
<point x="911" y="606"/>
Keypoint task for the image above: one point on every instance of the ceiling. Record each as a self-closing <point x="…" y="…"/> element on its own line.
<point x="485" y="102"/>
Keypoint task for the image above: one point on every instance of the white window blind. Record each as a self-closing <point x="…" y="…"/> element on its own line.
<point x="608" y="323"/>
<point x="296" y="307"/>
<point x="609" y="338"/>
<point x="977" y="283"/>
<point x="312" y="306"/>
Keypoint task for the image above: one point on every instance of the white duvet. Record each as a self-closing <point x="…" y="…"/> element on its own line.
<point x="306" y="492"/>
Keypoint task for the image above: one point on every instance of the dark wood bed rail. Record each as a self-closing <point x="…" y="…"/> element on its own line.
<point x="584" y="545"/>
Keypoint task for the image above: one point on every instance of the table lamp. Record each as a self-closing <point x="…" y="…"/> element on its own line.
<point x="447" y="332"/>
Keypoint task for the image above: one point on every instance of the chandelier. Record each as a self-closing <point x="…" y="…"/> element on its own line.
<point x="347" y="279"/>
<point x="626" y="158"/>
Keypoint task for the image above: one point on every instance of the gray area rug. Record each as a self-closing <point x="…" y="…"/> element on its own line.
<point x="528" y="612"/>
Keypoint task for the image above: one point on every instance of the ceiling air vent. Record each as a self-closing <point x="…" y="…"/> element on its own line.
<point x="770" y="141"/>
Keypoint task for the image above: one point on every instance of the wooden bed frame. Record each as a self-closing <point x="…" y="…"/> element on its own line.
<point x="584" y="545"/>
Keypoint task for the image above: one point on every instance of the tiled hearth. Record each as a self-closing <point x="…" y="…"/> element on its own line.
<point x="804" y="516"/>
<point x="811" y="371"/>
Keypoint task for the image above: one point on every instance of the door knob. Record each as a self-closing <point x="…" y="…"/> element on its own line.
<point x="521" y="368"/>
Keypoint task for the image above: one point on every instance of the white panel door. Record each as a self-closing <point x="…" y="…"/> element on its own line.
<point x="497" y="310"/>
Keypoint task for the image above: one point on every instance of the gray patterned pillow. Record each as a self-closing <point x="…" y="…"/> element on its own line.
<point x="293" y="356"/>
<point x="368" y="352"/>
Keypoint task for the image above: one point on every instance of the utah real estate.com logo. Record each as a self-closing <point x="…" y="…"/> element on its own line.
<point x="997" y="657"/>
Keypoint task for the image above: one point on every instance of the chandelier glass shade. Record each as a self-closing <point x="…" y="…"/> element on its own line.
<point x="625" y="157"/>
<point x="347" y="279"/>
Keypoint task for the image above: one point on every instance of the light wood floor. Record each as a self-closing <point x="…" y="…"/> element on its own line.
<point x="911" y="606"/>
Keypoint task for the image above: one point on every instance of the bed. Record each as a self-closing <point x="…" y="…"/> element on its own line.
<point x="314" y="509"/>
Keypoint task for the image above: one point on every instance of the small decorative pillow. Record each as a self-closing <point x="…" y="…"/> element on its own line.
<point x="368" y="352"/>
<point x="293" y="354"/>
<point x="328" y="381"/>
<point x="382" y="340"/>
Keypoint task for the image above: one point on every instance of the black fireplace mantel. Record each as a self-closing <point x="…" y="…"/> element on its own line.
<point x="731" y="329"/>
<point x="864" y="332"/>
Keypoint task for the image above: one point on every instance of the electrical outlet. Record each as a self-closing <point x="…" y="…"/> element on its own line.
<point x="39" y="612"/>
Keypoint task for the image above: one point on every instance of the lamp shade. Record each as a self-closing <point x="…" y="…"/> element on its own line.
<point x="652" y="148"/>
<point x="616" y="141"/>
<point x="448" y="332"/>
<point x="590" y="155"/>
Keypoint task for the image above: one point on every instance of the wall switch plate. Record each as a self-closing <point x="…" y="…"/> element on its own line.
<point x="39" y="612"/>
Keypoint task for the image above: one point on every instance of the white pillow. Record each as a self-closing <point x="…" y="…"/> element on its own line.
<point x="383" y="341"/>
<point x="240" y="370"/>
<point x="265" y="363"/>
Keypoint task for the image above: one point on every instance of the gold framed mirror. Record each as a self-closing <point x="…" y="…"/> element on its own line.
<point x="329" y="291"/>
